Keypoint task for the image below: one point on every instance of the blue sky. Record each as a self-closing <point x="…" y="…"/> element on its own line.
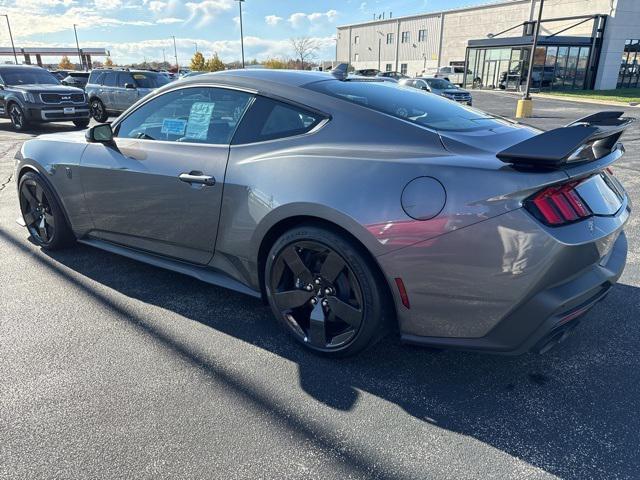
<point x="134" y="30"/>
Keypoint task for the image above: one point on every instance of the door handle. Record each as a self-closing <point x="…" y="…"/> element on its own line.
<point x="197" y="177"/>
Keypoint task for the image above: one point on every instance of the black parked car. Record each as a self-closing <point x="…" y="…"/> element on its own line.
<point x="76" y="79"/>
<point x="33" y="95"/>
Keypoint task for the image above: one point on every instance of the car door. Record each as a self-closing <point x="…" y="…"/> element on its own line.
<point x="159" y="187"/>
<point x="109" y="82"/>
<point x="125" y="97"/>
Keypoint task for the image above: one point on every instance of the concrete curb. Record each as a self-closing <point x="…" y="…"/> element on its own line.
<point x="563" y="98"/>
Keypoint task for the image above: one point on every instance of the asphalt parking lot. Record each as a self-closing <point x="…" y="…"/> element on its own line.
<point x="114" y="369"/>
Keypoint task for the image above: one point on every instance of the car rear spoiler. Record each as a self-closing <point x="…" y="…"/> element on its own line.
<point x="583" y="140"/>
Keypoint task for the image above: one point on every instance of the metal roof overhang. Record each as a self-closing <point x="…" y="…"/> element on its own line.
<point x="528" y="40"/>
<point x="54" y="51"/>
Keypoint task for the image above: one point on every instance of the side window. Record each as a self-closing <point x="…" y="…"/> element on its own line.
<point x="269" y="119"/>
<point x="96" y="78"/>
<point x="109" y="79"/>
<point x="194" y="115"/>
<point x="124" y="78"/>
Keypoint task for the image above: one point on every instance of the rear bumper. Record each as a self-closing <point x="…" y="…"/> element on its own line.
<point x="506" y="284"/>
<point x="547" y="316"/>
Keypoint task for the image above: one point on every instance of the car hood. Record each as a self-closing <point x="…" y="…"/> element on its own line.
<point x="47" y="88"/>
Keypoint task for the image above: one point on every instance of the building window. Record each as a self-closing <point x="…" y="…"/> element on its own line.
<point x="403" y="68"/>
<point x="356" y="57"/>
<point x="629" y="74"/>
<point x="405" y="37"/>
<point x="389" y="38"/>
<point x="356" y="40"/>
<point x="422" y="35"/>
<point x="388" y="67"/>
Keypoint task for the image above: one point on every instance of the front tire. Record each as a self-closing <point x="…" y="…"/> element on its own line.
<point x="81" y="123"/>
<point x="325" y="291"/>
<point x="42" y="213"/>
<point x="18" y="120"/>
<point x="98" y="111"/>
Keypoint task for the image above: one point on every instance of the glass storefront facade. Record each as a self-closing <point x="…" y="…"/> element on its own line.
<point x="629" y="74"/>
<point x="555" y="67"/>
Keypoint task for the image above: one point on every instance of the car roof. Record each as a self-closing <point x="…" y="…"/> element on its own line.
<point x="294" y="78"/>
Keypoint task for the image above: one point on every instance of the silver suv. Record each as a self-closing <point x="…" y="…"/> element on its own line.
<point x="113" y="91"/>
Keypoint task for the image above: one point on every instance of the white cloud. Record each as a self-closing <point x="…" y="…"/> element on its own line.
<point x="272" y="20"/>
<point x="299" y="19"/>
<point x="169" y="20"/>
<point x="206" y="11"/>
<point x="107" y="4"/>
<point x="229" y="50"/>
<point x="156" y="6"/>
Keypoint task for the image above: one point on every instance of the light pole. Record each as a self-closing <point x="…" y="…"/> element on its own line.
<point x="379" y="47"/>
<point x="241" y="34"/>
<point x="175" y="53"/>
<point x="196" y="45"/>
<point x="525" y="105"/>
<point x="164" y="57"/>
<point x="11" y="37"/>
<point x="78" y="47"/>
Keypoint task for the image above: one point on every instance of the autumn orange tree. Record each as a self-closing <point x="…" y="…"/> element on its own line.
<point x="65" y="64"/>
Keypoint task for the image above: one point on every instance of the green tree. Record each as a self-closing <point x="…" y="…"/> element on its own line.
<point x="275" y="64"/>
<point x="65" y="64"/>
<point x="214" y="64"/>
<point x="197" y="62"/>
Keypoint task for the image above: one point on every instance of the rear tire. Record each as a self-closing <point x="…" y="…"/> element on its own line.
<point x="42" y="213"/>
<point x="98" y="111"/>
<point x="325" y="292"/>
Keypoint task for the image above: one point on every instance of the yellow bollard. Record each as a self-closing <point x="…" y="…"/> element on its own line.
<point x="524" y="109"/>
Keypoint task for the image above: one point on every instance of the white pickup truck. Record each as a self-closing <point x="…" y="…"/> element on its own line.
<point x="454" y="74"/>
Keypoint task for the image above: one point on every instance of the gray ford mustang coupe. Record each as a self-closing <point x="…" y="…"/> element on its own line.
<point x="351" y="207"/>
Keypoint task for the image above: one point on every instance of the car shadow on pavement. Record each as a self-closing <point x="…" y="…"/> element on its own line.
<point x="571" y="412"/>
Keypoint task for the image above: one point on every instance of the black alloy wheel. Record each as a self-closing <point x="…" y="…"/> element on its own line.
<point x="98" y="111"/>
<point x="325" y="292"/>
<point x="18" y="120"/>
<point x="42" y="214"/>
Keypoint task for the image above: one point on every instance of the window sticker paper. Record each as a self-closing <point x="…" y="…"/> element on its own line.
<point x="199" y="120"/>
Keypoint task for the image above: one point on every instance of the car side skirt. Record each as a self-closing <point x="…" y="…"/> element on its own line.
<point x="205" y="274"/>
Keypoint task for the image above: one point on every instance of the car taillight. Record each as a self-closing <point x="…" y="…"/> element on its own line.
<point x="558" y="205"/>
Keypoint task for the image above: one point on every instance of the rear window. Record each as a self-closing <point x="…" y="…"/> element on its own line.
<point x="269" y="119"/>
<point x="149" y="79"/>
<point x="439" y="84"/>
<point x="409" y="104"/>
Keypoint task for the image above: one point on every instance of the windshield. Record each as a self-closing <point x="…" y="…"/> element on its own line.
<point x="439" y="84"/>
<point x="149" y="79"/>
<point x="28" y="77"/>
<point x="409" y="104"/>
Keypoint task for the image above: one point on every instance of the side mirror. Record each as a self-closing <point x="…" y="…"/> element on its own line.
<point x="100" y="134"/>
<point x="1" y="86"/>
<point x="129" y="85"/>
<point x="426" y="89"/>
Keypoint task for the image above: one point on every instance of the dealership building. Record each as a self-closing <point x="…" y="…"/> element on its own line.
<point x="590" y="44"/>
